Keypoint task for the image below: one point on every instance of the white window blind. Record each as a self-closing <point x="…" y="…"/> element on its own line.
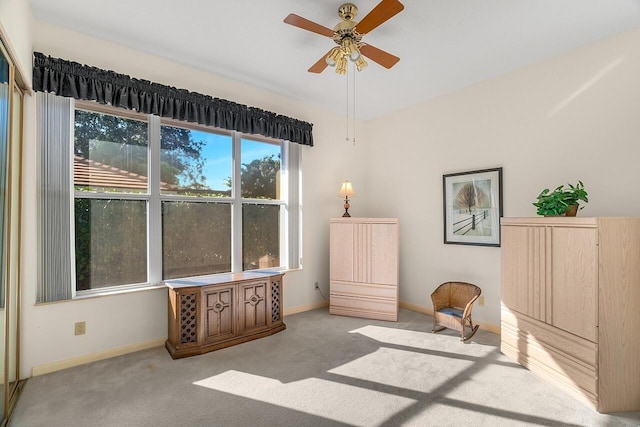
<point x="293" y="162"/>
<point x="55" y="124"/>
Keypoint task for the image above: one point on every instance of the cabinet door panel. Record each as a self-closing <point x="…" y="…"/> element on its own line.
<point x="525" y="281"/>
<point x="383" y="260"/>
<point x="342" y="252"/>
<point x="218" y="313"/>
<point x="574" y="274"/>
<point x="517" y="280"/>
<point x="253" y="306"/>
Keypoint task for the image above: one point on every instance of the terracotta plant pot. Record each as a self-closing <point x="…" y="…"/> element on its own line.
<point x="572" y="210"/>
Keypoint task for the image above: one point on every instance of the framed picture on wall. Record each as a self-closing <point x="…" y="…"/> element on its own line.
<point x="473" y="207"/>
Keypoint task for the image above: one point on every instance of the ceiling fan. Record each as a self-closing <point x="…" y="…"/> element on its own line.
<point x="348" y="35"/>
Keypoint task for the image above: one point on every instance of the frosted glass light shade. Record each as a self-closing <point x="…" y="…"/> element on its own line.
<point x="346" y="190"/>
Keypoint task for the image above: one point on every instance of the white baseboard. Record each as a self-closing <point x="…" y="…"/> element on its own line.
<point x="426" y="310"/>
<point x="302" y="308"/>
<point x="416" y="307"/>
<point x="94" y="357"/>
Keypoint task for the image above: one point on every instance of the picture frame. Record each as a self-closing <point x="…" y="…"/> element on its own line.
<point x="472" y="207"/>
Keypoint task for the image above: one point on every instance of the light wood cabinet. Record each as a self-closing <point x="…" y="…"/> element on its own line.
<point x="364" y="255"/>
<point x="570" y="295"/>
<point x="208" y="313"/>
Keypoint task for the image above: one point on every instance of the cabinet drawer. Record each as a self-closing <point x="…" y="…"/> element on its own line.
<point x="562" y="358"/>
<point x="364" y="289"/>
<point x="370" y="308"/>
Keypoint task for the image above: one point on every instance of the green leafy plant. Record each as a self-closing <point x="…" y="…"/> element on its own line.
<point x="575" y="194"/>
<point x="556" y="202"/>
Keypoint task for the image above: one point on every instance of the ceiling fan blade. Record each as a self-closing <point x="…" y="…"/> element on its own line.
<point x="384" y="11"/>
<point x="319" y="66"/>
<point x="383" y="58"/>
<point x="305" y="24"/>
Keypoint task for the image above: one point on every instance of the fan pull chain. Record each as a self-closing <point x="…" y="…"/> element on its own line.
<point x="354" y="105"/>
<point x="346" y="138"/>
<point x="353" y="95"/>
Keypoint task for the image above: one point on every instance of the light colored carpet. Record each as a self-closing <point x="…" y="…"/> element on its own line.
<point x="322" y="370"/>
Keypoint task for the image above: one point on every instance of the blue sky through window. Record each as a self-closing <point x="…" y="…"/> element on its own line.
<point x="217" y="154"/>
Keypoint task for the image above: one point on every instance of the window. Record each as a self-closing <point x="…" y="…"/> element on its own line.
<point x="196" y="238"/>
<point x="157" y="200"/>
<point x="261" y="177"/>
<point x="110" y="162"/>
<point x="197" y="167"/>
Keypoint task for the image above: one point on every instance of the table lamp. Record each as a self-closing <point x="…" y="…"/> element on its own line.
<point x="346" y="190"/>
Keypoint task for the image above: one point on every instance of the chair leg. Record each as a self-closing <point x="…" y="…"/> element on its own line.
<point x="474" y="329"/>
<point x="473" y="332"/>
<point x="434" y="329"/>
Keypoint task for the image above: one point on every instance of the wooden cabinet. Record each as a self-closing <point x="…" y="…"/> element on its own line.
<point x="562" y="255"/>
<point x="364" y="254"/>
<point x="570" y="295"/>
<point x="207" y="313"/>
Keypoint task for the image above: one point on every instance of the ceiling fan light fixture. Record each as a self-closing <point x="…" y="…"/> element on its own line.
<point x="333" y="57"/>
<point x="341" y="68"/>
<point x="348" y="11"/>
<point x="348" y="34"/>
<point x="354" y="55"/>
<point x="361" y="64"/>
<point x="350" y="48"/>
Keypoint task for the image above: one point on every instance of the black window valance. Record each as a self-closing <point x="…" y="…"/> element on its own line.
<point x="71" y="79"/>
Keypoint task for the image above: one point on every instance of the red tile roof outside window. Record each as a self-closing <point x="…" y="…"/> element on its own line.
<point x="96" y="175"/>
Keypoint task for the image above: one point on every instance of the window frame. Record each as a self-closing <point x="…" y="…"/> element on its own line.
<point x="155" y="198"/>
<point x="101" y="195"/>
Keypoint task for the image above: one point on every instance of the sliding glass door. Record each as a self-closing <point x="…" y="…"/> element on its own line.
<point x="4" y="157"/>
<point x="11" y="99"/>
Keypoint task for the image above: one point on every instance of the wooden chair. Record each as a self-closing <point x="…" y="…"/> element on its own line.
<point x="452" y="304"/>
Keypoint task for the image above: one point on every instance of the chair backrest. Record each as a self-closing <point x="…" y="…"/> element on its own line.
<point x="455" y="294"/>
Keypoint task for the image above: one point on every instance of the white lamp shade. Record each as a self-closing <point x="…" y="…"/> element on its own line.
<point x="346" y="190"/>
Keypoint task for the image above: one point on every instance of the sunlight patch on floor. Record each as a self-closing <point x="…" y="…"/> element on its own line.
<point x="408" y="370"/>
<point x="314" y="396"/>
<point x="423" y="340"/>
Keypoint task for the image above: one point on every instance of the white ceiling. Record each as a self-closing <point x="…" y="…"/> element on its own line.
<point x="444" y="45"/>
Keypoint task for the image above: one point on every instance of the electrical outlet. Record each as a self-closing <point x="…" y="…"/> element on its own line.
<point x="80" y="328"/>
<point x="315" y="286"/>
<point x="481" y="301"/>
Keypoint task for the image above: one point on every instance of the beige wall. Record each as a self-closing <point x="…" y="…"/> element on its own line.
<point x="576" y="116"/>
<point x="15" y="25"/>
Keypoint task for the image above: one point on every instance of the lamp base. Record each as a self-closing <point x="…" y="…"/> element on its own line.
<point x="346" y="207"/>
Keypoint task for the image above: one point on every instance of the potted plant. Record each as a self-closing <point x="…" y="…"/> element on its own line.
<point x="572" y="197"/>
<point x="561" y="201"/>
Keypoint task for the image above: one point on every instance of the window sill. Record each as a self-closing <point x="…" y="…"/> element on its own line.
<point x="146" y="287"/>
<point x="117" y="291"/>
<point x="275" y="270"/>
